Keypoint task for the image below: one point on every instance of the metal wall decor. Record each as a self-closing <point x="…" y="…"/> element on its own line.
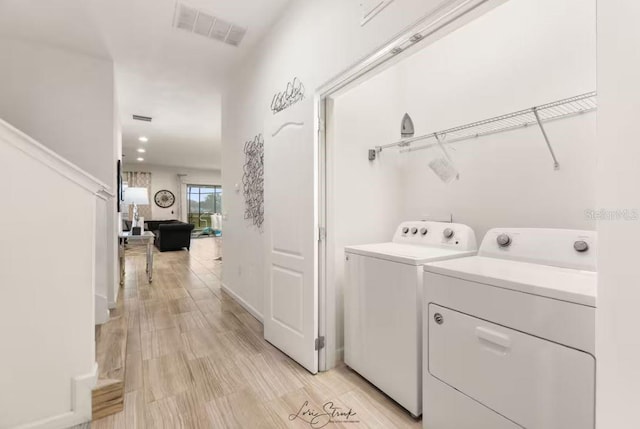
<point x="289" y="97"/>
<point x="253" y="180"/>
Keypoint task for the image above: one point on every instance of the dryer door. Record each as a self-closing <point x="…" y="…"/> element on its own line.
<point x="535" y="383"/>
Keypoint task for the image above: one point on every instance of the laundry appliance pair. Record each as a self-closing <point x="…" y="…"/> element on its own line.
<point x="498" y="338"/>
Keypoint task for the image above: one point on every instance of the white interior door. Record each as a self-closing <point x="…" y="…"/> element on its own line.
<point x="290" y="228"/>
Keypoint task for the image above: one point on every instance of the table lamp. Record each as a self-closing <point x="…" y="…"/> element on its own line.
<point x="136" y="196"/>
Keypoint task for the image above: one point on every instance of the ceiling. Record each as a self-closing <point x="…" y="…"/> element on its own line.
<point x="172" y="75"/>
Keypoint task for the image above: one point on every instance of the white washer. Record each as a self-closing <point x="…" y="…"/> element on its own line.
<point x="383" y="304"/>
<point x="510" y="333"/>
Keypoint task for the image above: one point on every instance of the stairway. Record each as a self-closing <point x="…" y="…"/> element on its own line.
<point x="53" y="279"/>
<point x="111" y="352"/>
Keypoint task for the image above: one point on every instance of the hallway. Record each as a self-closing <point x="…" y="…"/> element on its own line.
<point x="196" y="359"/>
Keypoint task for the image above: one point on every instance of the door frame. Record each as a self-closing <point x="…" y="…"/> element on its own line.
<point x="448" y="17"/>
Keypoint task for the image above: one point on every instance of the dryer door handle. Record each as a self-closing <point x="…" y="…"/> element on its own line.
<point x="494" y="338"/>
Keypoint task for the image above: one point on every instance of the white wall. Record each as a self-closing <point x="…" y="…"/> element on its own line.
<point x="102" y="274"/>
<point x="63" y="100"/>
<point x="494" y="65"/>
<point x="617" y="317"/>
<point x="115" y="220"/>
<point x="47" y="294"/>
<point x="163" y="177"/>
<point x="315" y="40"/>
<point x="501" y="63"/>
<point x="66" y="101"/>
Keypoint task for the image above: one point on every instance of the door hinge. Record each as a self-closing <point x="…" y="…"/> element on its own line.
<point x="321" y="125"/>
<point x="319" y="343"/>
<point x="322" y="233"/>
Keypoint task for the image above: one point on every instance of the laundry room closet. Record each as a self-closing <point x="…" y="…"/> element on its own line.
<point x="521" y="54"/>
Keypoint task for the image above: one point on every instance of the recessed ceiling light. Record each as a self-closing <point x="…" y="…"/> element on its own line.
<point x="140" y="159"/>
<point x="143" y="139"/>
<point x="141" y="150"/>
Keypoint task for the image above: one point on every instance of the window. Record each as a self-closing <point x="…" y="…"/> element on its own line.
<point x="203" y="201"/>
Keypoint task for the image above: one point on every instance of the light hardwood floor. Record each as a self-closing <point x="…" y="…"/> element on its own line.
<point x="196" y="359"/>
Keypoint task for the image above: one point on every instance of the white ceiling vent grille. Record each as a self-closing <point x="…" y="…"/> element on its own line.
<point x="236" y="34"/>
<point x="186" y="18"/>
<point x="204" y="24"/>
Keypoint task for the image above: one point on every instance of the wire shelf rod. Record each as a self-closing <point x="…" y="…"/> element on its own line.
<point x="567" y="107"/>
<point x="488" y="133"/>
<point x="537" y="115"/>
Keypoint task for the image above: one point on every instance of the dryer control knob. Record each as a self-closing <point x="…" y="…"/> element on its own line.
<point x="405" y="230"/>
<point x="424" y="231"/>
<point x="438" y="318"/>
<point x="504" y="240"/>
<point x="448" y="233"/>
<point x="581" y="246"/>
<point x="414" y="231"/>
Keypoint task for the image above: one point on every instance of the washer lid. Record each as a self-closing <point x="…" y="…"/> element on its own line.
<point x="564" y="284"/>
<point x="406" y="253"/>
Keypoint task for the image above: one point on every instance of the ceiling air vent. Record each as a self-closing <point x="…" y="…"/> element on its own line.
<point x="142" y="118"/>
<point x="186" y="18"/>
<point x="207" y="25"/>
<point x="220" y="30"/>
<point x="236" y="34"/>
<point x="204" y="23"/>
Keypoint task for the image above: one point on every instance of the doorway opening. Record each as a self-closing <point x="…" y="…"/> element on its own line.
<point x="409" y="75"/>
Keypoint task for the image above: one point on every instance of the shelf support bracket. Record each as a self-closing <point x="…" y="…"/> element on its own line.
<point x="556" y="165"/>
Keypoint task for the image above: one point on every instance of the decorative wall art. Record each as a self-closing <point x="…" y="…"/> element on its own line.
<point x="253" y="180"/>
<point x="290" y="96"/>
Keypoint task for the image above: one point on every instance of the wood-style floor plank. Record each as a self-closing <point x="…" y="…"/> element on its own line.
<point x="196" y="359"/>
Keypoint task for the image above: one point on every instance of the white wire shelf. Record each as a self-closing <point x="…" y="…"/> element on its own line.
<point x="537" y="115"/>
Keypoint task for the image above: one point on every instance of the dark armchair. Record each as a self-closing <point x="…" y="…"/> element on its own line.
<point x="170" y="234"/>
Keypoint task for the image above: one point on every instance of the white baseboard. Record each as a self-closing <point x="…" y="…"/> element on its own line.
<point x="255" y="313"/>
<point x="116" y="289"/>
<point x="102" y="309"/>
<point x="81" y="388"/>
<point x="339" y="355"/>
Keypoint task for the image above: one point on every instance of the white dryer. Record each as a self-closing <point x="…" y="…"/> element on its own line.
<point x="510" y="333"/>
<point x="383" y="304"/>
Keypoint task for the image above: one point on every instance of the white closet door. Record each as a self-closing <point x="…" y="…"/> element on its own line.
<point x="290" y="228"/>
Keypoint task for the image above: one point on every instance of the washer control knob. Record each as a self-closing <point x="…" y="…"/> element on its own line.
<point x="504" y="240"/>
<point x="405" y="230"/>
<point x="424" y="231"/>
<point x="448" y="233"/>
<point x="414" y="231"/>
<point x="581" y="246"/>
